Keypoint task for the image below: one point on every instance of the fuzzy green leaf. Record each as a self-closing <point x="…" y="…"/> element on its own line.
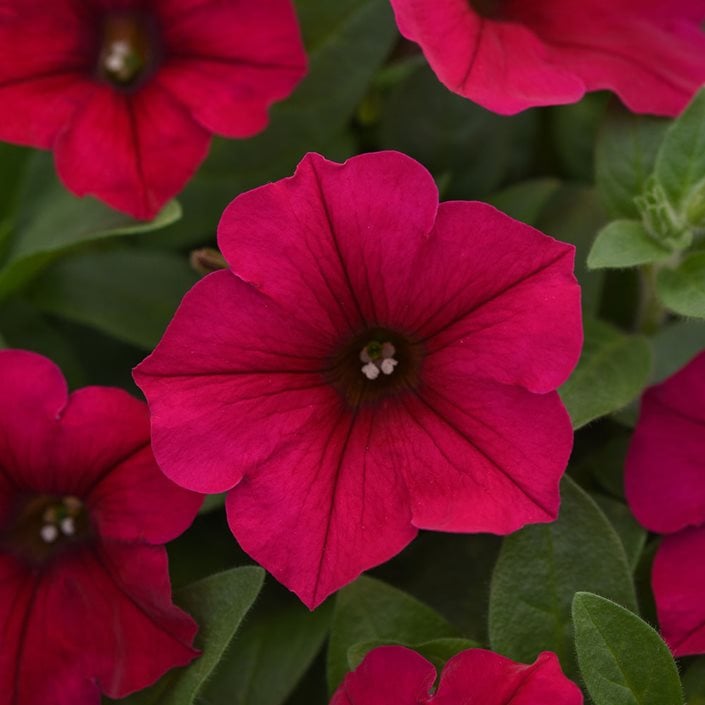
<point x="218" y="604"/>
<point x="683" y="289"/>
<point x="52" y="222"/>
<point x="613" y="370"/>
<point x="680" y="165"/>
<point x="130" y="294"/>
<point x="622" y="659"/>
<point x="280" y="637"/>
<point x="370" y="610"/>
<point x="625" y="243"/>
<point x="539" y="570"/>
<point x="626" y="151"/>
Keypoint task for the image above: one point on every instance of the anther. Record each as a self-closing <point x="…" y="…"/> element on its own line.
<point x="49" y="533"/>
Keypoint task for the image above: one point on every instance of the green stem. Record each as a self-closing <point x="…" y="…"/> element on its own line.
<point x="652" y="314"/>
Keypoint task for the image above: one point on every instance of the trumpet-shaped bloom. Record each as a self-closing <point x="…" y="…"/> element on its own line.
<point x="85" y="599"/>
<point x="128" y="92"/>
<point x="394" y="674"/>
<point x="374" y="363"/>
<point x="665" y="485"/>
<point x="509" y="55"/>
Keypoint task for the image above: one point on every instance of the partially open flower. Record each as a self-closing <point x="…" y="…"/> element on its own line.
<point x="128" y="92"/>
<point x="509" y="55"/>
<point x="85" y="599"/>
<point x="374" y="363"/>
<point x="394" y="674"/>
<point x="665" y="486"/>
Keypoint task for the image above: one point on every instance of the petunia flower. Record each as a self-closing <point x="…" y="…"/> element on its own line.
<point x="374" y="363"/>
<point x="665" y="486"/>
<point x="85" y="599"/>
<point x="127" y="93"/>
<point x="394" y="674"/>
<point x="509" y="55"/>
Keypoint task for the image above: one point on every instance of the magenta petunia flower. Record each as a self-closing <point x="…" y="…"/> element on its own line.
<point x="128" y="92"/>
<point x="394" y="674"/>
<point x="509" y="55"/>
<point x="665" y="486"/>
<point x="85" y="599"/>
<point x="373" y="364"/>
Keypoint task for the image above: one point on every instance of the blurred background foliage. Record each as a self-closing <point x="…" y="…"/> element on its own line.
<point x="94" y="290"/>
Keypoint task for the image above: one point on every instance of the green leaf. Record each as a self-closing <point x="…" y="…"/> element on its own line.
<point x="23" y="326"/>
<point x="694" y="682"/>
<point x="13" y="161"/>
<point x="680" y="165"/>
<point x="604" y="462"/>
<point x="625" y="243"/>
<point x="349" y="38"/>
<point x="370" y="610"/>
<point x="627" y="146"/>
<point x="661" y="221"/>
<point x="52" y="222"/>
<point x="574" y="130"/>
<point x="675" y="345"/>
<point x="622" y="659"/>
<point x="446" y="588"/>
<point x="130" y="294"/>
<point x="212" y="502"/>
<point x="613" y="370"/>
<point x="437" y="651"/>
<point x="539" y="570"/>
<point x="527" y="200"/>
<point x="420" y="117"/>
<point x="628" y="529"/>
<point x="218" y="604"/>
<point x="683" y="289"/>
<point x="273" y="650"/>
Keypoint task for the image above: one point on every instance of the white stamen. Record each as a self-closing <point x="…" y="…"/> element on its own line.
<point x="370" y="370"/>
<point x="387" y="366"/>
<point x="388" y="350"/>
<point x="116" y="60"/>
<point x="68" y="526"/>
<point x="364" y="356"/>
<point x="49" y="533"/>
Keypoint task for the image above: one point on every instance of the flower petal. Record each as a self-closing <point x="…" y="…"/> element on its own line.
<point x="122" y="504"/>
<point x="233" y="379"/>
<point x="92" y="622"/>
<point x="335" y="241"/>
<point x="650" y="58"/>
<point x="44" y="74"/>
<point x="134" y="151"/>
<point x="480" y="456"/>
<point x="479" y="677"/>
<point x="228" y="62"/>
<point x="34" y="397"/>
<point x="388" y="674"/>
<point x="508" y="309"/>
<point x="478" y="57"/>
<point x="678" y="581"/>
<point x="549" y="52"/>
<point x="343" y="509"/>
<point x="664" y="467"/>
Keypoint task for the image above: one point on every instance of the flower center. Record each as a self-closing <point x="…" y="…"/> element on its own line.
<point x="374" y="364"/>
<point x="378" y="357"/>
<point x="486" y="8"/>
<point x="42" y="525"/>
<point x="127" y="49"/>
